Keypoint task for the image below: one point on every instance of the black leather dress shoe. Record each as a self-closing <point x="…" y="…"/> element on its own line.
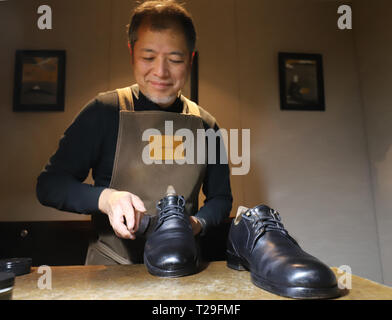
<point x="259" y="243"/>
<point x="171" y="250"/>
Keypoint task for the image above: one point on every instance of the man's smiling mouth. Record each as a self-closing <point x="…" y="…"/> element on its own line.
<point x="162" y="85"/>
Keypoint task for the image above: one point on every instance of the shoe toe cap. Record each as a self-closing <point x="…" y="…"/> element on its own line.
<point x="174" y="261"/>
<point x="171" y="257"/>
<point x="311" y="274"/>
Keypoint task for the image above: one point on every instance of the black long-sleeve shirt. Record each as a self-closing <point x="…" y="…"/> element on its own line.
<point x="90" y="143"/>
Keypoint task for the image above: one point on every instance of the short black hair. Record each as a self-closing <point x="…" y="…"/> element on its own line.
<point x="162" y="14"/>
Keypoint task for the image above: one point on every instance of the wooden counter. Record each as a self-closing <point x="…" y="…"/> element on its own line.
<point x="215" y="282"/>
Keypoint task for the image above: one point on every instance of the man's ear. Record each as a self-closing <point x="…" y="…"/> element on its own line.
<point x="192" y="57"/>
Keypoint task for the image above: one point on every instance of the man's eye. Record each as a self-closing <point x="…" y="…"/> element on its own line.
<point x="176" y="61"/>
<point x="148" y="58"/>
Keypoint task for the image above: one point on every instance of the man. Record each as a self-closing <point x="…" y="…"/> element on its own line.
<point x="106" y="137"/>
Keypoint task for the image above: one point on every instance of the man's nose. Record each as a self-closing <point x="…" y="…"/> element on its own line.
<point x="161" y="69"/>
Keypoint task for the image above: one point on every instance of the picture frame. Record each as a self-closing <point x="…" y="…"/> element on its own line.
<point x="39" y="83"/>
<point x="301" y="81"/>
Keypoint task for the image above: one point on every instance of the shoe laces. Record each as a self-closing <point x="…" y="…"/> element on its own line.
<point x="170" y="210"/>
<point x="268" y="223"/>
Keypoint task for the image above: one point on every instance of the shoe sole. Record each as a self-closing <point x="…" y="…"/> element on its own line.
<point x="176" y="273"/>
<point x="236" y="263"/>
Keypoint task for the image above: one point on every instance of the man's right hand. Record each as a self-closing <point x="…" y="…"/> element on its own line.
<point x="120" y="206"/>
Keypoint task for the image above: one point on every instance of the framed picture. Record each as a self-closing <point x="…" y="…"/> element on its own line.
<point x="301" y="82"/>
<point x="39" y="80"/>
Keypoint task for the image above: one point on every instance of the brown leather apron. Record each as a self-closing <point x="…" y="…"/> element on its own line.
<point x="148" y="181"/>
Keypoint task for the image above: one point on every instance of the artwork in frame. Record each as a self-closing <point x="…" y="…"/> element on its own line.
<point x="301" y="82"/>
<point x="39" y="80"/>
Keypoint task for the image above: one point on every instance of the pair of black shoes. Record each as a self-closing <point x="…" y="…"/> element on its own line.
<point x="257" y="242"/>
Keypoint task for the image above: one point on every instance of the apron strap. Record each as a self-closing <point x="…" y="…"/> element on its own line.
<point x="190" y="107"/>
<point x="103" y="249"/>
<point x="125" y="98"/>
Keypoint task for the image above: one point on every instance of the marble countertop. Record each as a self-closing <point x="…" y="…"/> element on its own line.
<point x="132" y="282"/>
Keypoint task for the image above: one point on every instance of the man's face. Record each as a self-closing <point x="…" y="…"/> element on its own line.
<point x="161" y="63"/>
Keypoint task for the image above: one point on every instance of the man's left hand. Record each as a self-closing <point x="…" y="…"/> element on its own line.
<point x="196" y="225"/>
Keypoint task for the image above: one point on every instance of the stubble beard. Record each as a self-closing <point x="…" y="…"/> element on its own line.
<point x="165" y="101"/>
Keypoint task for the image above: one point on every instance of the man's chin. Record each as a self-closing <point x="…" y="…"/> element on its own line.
<point x="162" y="100"/>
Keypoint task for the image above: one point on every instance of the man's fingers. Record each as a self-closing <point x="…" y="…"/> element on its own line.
<point x="138" y="203"/>
<point x="139" y="207"/>
<point x="129" y="214"/>
<point x="122" y="231"/>
<point x="118" y="224"/>
<point x="125" y="206"/>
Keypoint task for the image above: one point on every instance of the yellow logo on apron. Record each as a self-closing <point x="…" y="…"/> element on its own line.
<point x="166" y="147"/>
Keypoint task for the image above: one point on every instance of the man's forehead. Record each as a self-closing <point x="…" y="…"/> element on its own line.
<point x="150" y="39"/>
<point x="160" y="23"/>
<point x="148" y="24"/>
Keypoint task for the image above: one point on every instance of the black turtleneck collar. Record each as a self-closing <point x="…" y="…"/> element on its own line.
<point x="145" y="104"/>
